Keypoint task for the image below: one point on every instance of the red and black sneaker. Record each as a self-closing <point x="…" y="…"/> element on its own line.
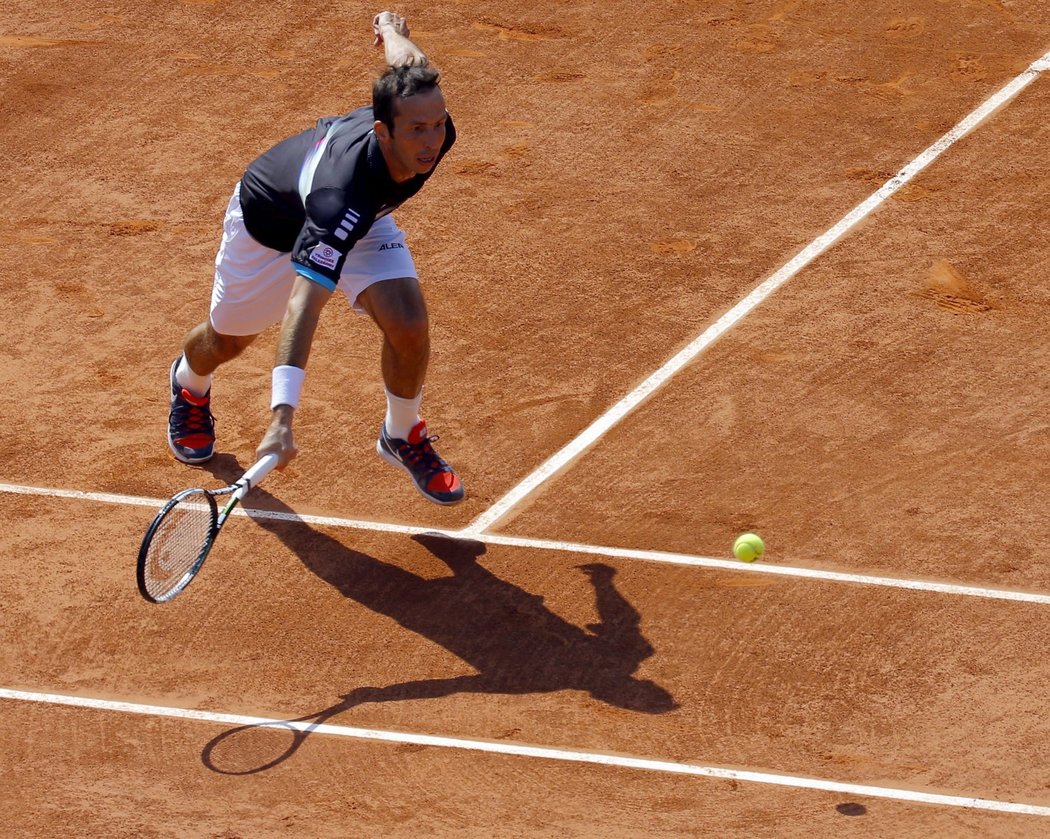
<point x="191" y="427"/>
<point x="434" y="478"/>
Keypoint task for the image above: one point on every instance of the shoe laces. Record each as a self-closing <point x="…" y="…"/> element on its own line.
<point x="421" y="456"/>
<point x="192" y="413"/>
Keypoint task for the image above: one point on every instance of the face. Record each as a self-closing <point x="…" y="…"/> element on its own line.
<point x="419" y="132"/>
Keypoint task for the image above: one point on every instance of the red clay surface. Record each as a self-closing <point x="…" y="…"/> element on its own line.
<point x="625" y="174"/>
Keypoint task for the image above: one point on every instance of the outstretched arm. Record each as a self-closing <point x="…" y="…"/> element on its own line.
<point x="391" y="33"/>
<point x="293" y="350"/>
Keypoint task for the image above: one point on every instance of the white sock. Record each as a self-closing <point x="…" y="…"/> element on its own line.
<point x="195" y="383"/>
<point x="402" y="415"/>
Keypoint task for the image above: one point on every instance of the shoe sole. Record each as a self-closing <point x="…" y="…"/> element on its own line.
<point x="393" y="461"/>
<point x="191" y="461"/>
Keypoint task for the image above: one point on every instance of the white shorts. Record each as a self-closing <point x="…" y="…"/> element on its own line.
<point x="253" y="282"/>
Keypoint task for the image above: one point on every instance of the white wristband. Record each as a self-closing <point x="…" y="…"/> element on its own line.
<point x="287" y="385"/>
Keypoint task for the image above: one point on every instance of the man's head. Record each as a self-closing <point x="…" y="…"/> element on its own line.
<point x="410" y="118"/>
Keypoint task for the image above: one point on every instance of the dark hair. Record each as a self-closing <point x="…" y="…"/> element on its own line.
<point x="400" y="83"/>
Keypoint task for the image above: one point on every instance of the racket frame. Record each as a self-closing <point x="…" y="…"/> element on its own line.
<point x="236" y="491"/>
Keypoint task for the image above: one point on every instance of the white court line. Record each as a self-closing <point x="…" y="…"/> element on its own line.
<point x="542" y="753"/>
<point x="573" y="547"/>
<point x="590" y="435"/>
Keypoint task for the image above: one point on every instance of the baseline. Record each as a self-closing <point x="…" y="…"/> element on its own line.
<point x="938" y="587"/>
<point x="543" y="753"/>
<point x="590" y="435"/>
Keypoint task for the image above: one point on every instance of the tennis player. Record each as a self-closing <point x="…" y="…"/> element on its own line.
<point x="311" y="217"/>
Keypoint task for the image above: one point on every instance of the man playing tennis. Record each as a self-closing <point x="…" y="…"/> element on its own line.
<point x="309" y="217"/>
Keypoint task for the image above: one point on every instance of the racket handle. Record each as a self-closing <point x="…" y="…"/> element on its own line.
<point x="259" y="470"/>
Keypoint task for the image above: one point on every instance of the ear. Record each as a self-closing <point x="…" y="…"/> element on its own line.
<point x="382" y="132"/>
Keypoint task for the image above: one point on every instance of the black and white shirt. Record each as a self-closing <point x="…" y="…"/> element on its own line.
<point x="316" y="194"/>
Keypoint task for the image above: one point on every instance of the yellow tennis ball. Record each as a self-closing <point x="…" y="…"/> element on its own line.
<point x="748" y="547"/>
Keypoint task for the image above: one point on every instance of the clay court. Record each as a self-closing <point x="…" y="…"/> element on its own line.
<point x="573" y="651"/>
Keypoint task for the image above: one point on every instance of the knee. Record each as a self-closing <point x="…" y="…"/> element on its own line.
<point x="409" y="337"/>
<point x="228" y="346"/>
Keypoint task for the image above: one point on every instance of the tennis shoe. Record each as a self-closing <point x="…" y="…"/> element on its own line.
<point x="432" y="476"/>
<point x="191" y="426"/>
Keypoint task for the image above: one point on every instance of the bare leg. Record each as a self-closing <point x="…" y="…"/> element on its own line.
<point x="398" y="308"/>
<point x="205" y="349"/>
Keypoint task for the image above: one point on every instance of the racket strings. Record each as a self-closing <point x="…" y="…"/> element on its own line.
<point x="180" y="539"/>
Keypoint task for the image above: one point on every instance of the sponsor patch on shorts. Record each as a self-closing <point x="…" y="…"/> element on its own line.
<point x="325" y="255"/>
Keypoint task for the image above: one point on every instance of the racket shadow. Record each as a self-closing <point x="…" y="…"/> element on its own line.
<point x="507" y="635"/>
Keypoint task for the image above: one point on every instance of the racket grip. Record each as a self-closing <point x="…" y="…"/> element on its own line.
<point x="259" y="470"/>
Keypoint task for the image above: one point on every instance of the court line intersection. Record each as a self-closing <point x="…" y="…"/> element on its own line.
<point x="558" y="461"/>
<point x="933" y="586"/>
<point x="597" y="429"/>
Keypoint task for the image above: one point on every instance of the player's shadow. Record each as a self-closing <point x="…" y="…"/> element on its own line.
<point x="505" y="633"/>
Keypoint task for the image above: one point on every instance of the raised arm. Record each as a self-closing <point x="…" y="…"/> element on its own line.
<point x="391" y="33"/>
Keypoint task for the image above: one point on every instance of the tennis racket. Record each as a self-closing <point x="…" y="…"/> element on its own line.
<point x="183" y="532"/>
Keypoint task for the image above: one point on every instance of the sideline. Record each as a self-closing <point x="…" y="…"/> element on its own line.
<point x="590" y="435"/>
<point x="735" y="566"/>
<point x="542" y="753"/>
